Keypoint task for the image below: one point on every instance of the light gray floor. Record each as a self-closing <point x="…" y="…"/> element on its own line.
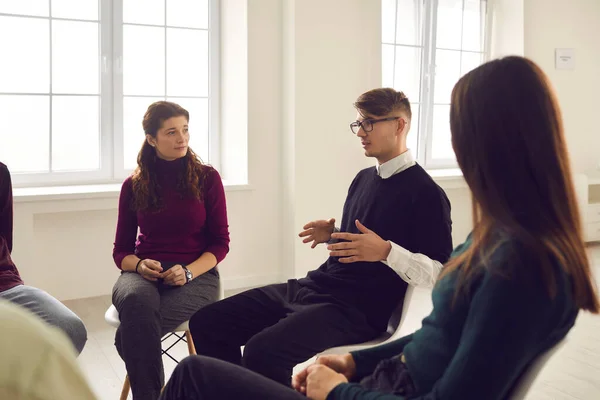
<point x="573" y="373"/>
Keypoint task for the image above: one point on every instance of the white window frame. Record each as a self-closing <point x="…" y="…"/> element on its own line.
<point x="112" y="166"/>
<point x="427" y="79"/>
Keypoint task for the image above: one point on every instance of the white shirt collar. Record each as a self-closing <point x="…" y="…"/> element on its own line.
<point x="396" y="165"/>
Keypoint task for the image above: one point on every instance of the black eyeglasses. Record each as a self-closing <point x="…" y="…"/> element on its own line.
<point x="367" y="124"/>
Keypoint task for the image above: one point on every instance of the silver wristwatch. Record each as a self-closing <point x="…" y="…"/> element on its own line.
<point x="188" y="275"/>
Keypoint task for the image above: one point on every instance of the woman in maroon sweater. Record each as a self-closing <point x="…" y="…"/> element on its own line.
<point x="169" y="268"/>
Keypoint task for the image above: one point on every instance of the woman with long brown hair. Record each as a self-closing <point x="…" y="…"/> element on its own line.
<point x="169" y="268"/>
<point x="510" y="292"/>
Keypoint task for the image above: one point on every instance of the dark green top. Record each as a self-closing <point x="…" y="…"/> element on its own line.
<point x="478" y="347"/>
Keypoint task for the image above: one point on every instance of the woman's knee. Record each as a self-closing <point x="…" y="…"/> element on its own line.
<point x="57" y="314"/>
<point x="67" y="321"/>
<point x="76" y="331"/>
<point x="200" y="368"/>
<point x="258" y="352"/>
<point x="191" y="363"/>
<point x="142" y="303"/>
<point x="131" y="291"/>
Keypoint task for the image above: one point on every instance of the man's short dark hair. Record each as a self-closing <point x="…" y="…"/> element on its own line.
<point x="379" y="102"/>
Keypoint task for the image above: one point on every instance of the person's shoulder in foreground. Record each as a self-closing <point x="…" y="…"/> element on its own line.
<point x="38" y="362"/>
<point x="4" y="176"/>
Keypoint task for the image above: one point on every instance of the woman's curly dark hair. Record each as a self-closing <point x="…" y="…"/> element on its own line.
<point x="190" y="181"/>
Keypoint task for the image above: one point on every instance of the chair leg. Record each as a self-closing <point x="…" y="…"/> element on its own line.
<point x="126" y="387"/>
<point x="190" y="343"/>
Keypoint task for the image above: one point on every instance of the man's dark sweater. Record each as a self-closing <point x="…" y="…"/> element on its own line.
<point x="477" y="347"/>
<point x="9" y="275"/>
<point x="409" y="209"/>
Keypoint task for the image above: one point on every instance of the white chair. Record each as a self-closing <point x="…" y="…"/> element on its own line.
<point x="519" y="390"/>
<point x="529" y="376"/>
<point x="112" y="318"/>
<point x="392" y="333"/>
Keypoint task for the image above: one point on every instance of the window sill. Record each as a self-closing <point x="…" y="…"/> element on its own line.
<point x="98" y="191"/>
<point x="446" y="178"/>
<point x="450" y="178"/>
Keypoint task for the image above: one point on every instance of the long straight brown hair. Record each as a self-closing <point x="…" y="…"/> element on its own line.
<point x="507" y="134"/>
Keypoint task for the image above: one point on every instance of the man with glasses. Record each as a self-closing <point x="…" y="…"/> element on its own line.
<point x="350" y="298"/>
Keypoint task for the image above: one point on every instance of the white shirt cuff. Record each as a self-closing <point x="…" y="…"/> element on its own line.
<point x="398" y="258"/>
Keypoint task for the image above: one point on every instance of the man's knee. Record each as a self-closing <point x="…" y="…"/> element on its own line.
<point x="205" y="322"/>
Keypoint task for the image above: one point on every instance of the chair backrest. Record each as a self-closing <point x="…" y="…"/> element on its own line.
<point x="399" y="314"/>
<point x="525" y="381"/>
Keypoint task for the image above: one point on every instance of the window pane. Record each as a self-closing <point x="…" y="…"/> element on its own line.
<point x="187" y="66"/>
<point x="25" y="133"/>
<point x="26" y="42"/>
<point x="38" y="8"/>
<point x="441" y="147"/>
<point x="469" y="61"/>
<point x="408" y="71"/>
<point x="449" y="20"/>
<point x="198" y="109"/>
<point x="387" y="65"/>
<point x="388" y="20"/>
<point x="134" y="109"/>
<point x="187" y="13"/>
<point x="77" y="9"/>
<point x="144" y="12"/>
<point x="75" y="57"/>
<point x="412" y="139"/>
<point x="75" y="133"/>
<point x="143" y="65"/>
<point x="409" y="24"/>
<point x="473" y="28"/>
<point x="447" y="73"/>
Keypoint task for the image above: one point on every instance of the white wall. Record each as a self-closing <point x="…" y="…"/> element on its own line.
<point x="335" y="56"/>
<point x="233" y="75"/>
<point x="307" y="62"/>
<point x="534" y="28"/>
<point x="65" y="247"/>
<point x="551" y="24"/>
<point x="507" y="27"/>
